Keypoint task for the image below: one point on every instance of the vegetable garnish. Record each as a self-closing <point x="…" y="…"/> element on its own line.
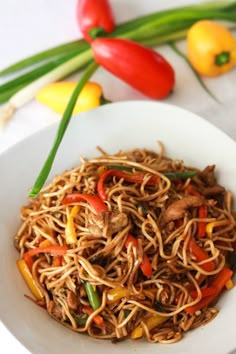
<point x="116" y="294"/>
<point x="219" y="282"/>
<point x="202" y="225"/>
<point x="26" y="274"/>
<point x="92" y="295"/>
<point x="200" y="255"/>
<point x="170" y="175"/>
<point x="150" y="322"/>
<point x="70" y="227"/>
<point x="145" y="266"/>
<point x="94" y="18"/>
<point x="129" y="177"/>
<point x="97" y="319"/>
<point x="140" y="67"/>
<point x="211" y="48"/>
<point x="96" y="203"/>
<point x="61" y="131"/>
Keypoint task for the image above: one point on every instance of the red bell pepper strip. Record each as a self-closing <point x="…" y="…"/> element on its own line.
<point x="211" y="290"/>
<point x="145" y="266"/>
<point x="218" y="283"/>
<point x="129" y="177"/>
<point x="202" y="225"/>
<point x="94" y="17"/>
<point x="54" y="250"/>
<point x="142" y="68"/>
<point x="200" y="256"/>
<point x="191" y="190"/>
<point x="95" y="202"/>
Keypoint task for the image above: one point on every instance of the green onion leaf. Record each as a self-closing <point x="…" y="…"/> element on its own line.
<point x="61" y="130"/>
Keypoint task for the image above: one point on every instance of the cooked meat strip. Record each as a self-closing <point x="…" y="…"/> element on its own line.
<point x="208" y="176"/>
<point x="177" y="209"/>
<point x="211" y="191"/>
<point x="115" y="221"/>
<point x="72" y="300"/>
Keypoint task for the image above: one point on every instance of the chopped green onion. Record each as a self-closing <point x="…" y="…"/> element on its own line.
<point x="170" y="175"/>
<point x="119" y="167"/>
<point x="92" y="296"/>
<point x="180" y="175"/>
<point x="61" y="130"/>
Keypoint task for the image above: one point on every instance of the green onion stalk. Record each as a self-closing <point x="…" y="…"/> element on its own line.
<point x="61" y="61"/>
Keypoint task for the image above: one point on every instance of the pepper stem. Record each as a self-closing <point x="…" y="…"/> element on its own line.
<point x="97" y="32"/>
<point x="104" y="100"/>
<point x="222" y="58"/>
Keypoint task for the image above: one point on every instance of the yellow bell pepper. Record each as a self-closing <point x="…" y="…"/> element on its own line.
<point x="211" y="48"/>
<point x="210" y="226"/>
<point x="151" y="323"/>
<point x="27" y="276"/>
<point x="70" y="227"/>
<point x="229" y="284"/>
<point x="116" y="294"/>
<point x="57" y="95"/>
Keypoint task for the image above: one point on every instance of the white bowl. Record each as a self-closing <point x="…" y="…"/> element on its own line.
<point x="113" y="127"/>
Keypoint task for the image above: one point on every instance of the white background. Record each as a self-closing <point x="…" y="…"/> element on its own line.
<point x="29" y="26"/>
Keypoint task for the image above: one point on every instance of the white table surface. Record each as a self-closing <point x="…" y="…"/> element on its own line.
<point x="29" y="26"/>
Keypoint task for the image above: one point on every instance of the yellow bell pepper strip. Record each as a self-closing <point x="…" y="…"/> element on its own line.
<point x="218" y="283"/>
<point x="151" y="323"/>
<point x="56" y="96"/>
<point x="229" y="284"/>
<point x="45" y="243"/>
<point x="116" y="294"/>
<point x="211" y="48"/>
<point x="211" y="225"/>
<point x="70" y="227"/>
<point x="27" y="276"/>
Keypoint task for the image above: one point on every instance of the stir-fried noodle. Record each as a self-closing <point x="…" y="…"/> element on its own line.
<point x="137" y="259"/>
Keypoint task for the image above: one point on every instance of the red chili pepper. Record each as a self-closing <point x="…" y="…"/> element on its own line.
<point x="141" y="67"/>
<point x="95" y="202"/>
<point x="54" y="250"/>
<point x="129" y="177"/>
<point x="202" y="225"/>
<point x="145" y="266"/>
<point x="94" y="17"/>
<point x="200" y="255"/>
<point x="218" y="283"/>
